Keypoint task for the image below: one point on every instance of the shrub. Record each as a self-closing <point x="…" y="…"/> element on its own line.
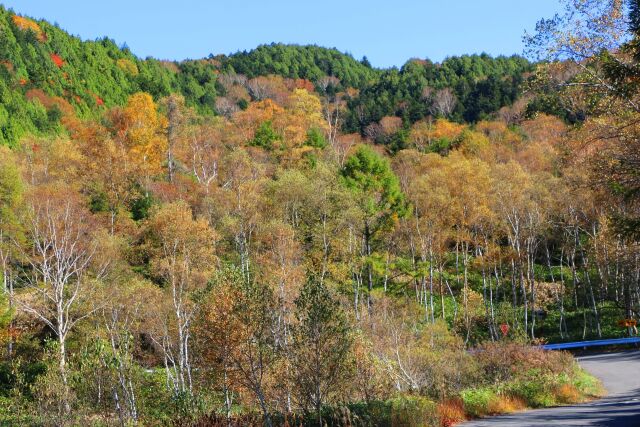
<point x="536" y="391"/>
<point x="432" y="356"/>
<point x="477" y="401"/>
<point x="507" y="361"/>
<point x="219" y="420"/>
<point x="375" y="412"/>
<point x="488" y="401"/>
<point x="410" y="411"/>
<point x="451" y="412"/>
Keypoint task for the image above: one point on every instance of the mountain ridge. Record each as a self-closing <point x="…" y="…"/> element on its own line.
<point x="65" y="73"/>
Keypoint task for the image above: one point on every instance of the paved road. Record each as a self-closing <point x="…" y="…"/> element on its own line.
<point x="620" y="374"/>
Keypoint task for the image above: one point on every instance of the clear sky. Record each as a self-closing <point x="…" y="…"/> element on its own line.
<point x="388" y="32"/>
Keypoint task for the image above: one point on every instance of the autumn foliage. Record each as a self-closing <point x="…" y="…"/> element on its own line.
<point x="451" y="412"/>
<point x="214" y="243"/>
<point x="57" y="60"/>
<point x="26" y="24"/>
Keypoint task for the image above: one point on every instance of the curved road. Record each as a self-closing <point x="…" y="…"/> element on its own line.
<point x="620" y="374"/>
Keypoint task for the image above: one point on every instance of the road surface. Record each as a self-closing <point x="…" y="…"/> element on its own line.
<point x="620" y="375"/>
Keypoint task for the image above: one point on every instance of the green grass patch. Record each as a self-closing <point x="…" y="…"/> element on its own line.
<point x="588" y="385"/>
<point x="477" y="401"/>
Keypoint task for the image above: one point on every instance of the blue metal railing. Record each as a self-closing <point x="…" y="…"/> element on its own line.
<point x="595" y="343"/>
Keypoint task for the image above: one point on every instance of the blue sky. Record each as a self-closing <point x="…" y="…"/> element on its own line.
<point x="387" y="32"/>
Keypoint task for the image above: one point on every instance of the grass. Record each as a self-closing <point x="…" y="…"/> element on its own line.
<point x="537" y="392"/>
<point x="588" y="385"/>
<point x="506" y="405"/>
<point x="451" y="412"/>
<point x="413" y="411"/>
<point x="567" y="394"/>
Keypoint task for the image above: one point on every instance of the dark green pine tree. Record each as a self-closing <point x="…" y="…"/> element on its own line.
<point x="377" y="190"/>
<point x="265" y="136"/>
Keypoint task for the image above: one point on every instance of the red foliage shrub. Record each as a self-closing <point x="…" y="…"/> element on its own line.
<point x="300" y="84"/>
<point x="57" y="60"/>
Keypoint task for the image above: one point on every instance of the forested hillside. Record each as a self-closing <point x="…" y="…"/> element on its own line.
<point x="301" y="62"/>
<point x="289" y="236"/>
<point x="46" y="73"/>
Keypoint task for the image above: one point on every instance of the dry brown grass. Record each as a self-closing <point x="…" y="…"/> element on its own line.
<point x="451" y="412"/>
<point x="568" y="393"/>
<point x="506" y="405"/>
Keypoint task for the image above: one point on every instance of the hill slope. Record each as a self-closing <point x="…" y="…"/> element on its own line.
<point x="46" y="73"/>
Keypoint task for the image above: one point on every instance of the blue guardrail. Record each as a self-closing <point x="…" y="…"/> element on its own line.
<point x="595" y="343"/>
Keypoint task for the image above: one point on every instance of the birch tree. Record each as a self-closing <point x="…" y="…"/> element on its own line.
<point x="182" y="257"/>
<point x="58" y="283"/>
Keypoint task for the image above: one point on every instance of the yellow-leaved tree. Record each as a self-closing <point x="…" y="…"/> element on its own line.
<point x="143" y="132"/>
